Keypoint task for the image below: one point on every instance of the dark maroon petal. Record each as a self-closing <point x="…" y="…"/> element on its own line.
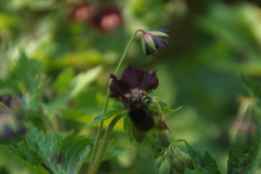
<point x="117" y="87"/>
<point x="6" y="100"/>
<point x="149" y="50"/>
<point x="150" y="81"/>
<point x="159" y="42"/>
<point x="164" y="31"/>
<point x="7" y="132"/>
<point x="133" y="77"/>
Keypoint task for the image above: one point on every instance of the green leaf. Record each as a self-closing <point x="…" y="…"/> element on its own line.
<point x="243" y="160"/>
<point x="63" y="80"/>
<point x="127" y="126"/>
<point x="117" y="108"/>
<point x="84" y="79"/>
<point x="210" y="164"/>
<point x="112" y="151"/>
<point x="28" y="71"/>
<point x="60" y="157"/>
<point x="27" y="157"/>
<point x="254" y="88"/>
<point x="206" y="165"/>
<point x="73" y="152"/>
<point x="196" y="157"/>
<point x="164" y="107"/>
<point x="44" y="146"/>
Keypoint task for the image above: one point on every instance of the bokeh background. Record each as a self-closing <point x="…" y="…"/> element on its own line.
<point x="80" y="42"/>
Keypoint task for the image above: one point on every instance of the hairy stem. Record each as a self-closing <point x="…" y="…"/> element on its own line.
<point x="98" y="160"/>
<point x="107" y="99"/>
<point x="159" y="108"/>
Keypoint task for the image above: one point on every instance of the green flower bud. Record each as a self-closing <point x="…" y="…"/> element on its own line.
<point x="165" y="167"/>
<point x="171" y="164"/>
<point x="246" y="135"/>
<point x="153" y="40"/>
<point x="157" y="154"/>
<point x="187" y="161"/>
<point x="164" y="134"/>
<point x="159" y="161"/>
<point x="170" y="154"/>
<point x="178" y="164"/>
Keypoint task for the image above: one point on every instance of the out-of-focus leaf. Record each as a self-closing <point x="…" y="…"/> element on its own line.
<point x="164" y="107"/>
<point x="254" y="88"/>
<point x="31" y="4"/>
<point x="243" y="160"/>
<point x="116" y="109"/>
<point x="127" y="126"/>
<point x="27" y="157"/>
<point x="63" y="80"/>
<point x="84" y="79"/>
<point x="112" y="151"/>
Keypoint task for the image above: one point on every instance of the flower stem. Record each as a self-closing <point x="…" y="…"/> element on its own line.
<point x="160" y="110"/>
<point x="107" y="99"/>
<point x="98" y="160"/>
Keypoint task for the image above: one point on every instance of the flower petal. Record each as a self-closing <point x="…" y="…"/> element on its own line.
<point x="137" y="78"/>
<point x="6" y="100"/>
<point x="149" y="41"/>
<point x="149" y="50"/>
<point x="159" y="33"/>
<point x="164" y="31"/>
<point x="159" y="42"/>
<point x="117" y="87"/>
<point x="150" y="81"/>
<point x="143" y="45"/>
<point x="132" y="77"/>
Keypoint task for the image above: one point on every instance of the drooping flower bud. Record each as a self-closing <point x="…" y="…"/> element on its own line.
<point x="164" y="134"/>
<point x="187" y="161"/>
<point x="153" y="40"/>
<point x="165" y="167"/>
<point x="178" y="164"/>
<point x="246" y="134"/>
<point x="159" y="161"/>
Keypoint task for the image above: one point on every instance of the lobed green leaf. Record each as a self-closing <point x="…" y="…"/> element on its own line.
<point x="117" y="108"/>
<point x="243" y="160"/>
<point x="205" y="164"/>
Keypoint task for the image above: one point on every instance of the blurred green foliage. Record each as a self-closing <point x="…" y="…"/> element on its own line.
<point x="209" y="45"/>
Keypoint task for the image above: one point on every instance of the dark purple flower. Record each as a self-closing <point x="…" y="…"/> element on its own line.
<point x="134" y="82"/>
<point x="6" y="100"/>
<point x="153" y="40"/>
<point x="9" y="126"/>
<point x="131" y="89"/>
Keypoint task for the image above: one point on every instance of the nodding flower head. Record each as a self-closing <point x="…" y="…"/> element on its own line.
<point x="131" y="90"/>
<point x="153" y="40"/>
<point x="134" y="82"/>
